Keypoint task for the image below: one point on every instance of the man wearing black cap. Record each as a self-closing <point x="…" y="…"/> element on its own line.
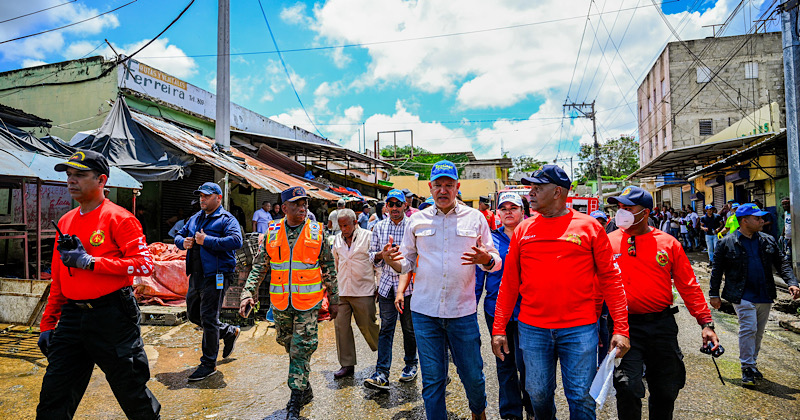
<point x="91" y="315"/>
<point x="557" y="261"/>
<point x="296" y="254"/>
<point x="211" y="236"/>
<point x="652" y="261"/>
<point x="485" y="207"/>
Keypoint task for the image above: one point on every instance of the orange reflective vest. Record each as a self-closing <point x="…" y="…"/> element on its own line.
<point x="295" y="271"/>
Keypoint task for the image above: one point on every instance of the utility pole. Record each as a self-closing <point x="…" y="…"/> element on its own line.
<point x="587" y="111"/>
<point x="222" y="128"/>
<point x="791" y="76"/>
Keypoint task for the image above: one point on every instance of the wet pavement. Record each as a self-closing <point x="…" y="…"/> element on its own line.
<point x="251" y="384"/>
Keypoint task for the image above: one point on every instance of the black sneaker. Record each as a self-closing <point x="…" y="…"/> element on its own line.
<point x="757" y="373"/>
<point x="230" y="343"/>
<point x="408" y="374"/>
<point x="748" y="377"/>
<point x="201" y="373"/>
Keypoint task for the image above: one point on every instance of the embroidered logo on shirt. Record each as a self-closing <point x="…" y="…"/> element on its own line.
<point x="662" y="258"/>
<point x="574" y="238"/>
<point x="97" y="238"/>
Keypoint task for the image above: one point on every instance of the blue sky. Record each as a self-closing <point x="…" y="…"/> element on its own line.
<point x="486" y="75"/>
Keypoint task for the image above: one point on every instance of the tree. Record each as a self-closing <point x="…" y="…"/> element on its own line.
<point x="619" y="157"/>
<point x="526" y="164"/>
<point x="422" y="161"/>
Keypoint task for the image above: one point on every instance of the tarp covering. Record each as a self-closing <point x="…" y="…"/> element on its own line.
<point x="169" y="283"/>
<point x="12" y="138"/>
<point x="137" y="152"/>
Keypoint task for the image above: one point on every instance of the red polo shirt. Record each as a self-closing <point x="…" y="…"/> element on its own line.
<point x="556" y="264"/>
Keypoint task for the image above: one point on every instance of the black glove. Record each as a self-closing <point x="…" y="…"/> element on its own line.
<point x="44" y="341"/>
<point x="77" y="257"/>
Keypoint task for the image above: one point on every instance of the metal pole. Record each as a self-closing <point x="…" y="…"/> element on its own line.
<point x="223" y="121"/>
<point x="227" y="191"/>
<point x="597" y="160"/>
<point x="38" y="229"/>
<point x="791" y="75"/>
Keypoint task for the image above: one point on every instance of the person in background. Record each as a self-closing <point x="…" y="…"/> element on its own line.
<point x="770" y="227"/>
<point x="356" y="291"/>
<point x="363" y="218"/>
<point x="377" y="216"/>
<point x="510" y="371"/>
<point x="262" y="217"/>
<point x="601" y="217"/>
<point x="732" y="223"/>
<point x="276" y="211"/>
<point x="409" y="200"/>
<point x="211" y="238"/>
<point x="427" y="203"/>
<point x="675" y="224"/>
<point x="485" y="207"/>
<point x="179" y="223"/>
<point x="91" y="317"/>
<point x="711" y="225"/>
<point x="333" y="224"/>
<point x="787" y="226"/>
<point x="684" y="229"/>
<point x="651" y="261"/>
<point x="746" y="258"/>
<point x="694" y="230"/>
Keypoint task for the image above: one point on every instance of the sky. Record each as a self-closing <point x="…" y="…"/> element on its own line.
<point x="467" y="75"/>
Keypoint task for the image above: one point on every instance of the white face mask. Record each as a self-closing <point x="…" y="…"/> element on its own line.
<point x="625" y="219"/>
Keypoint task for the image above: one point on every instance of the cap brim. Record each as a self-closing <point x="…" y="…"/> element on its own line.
<point x="622" y="200"/>
<point x="206" y="192"/>
<point x="534" y="180"/>
<point x="760" y="213"/>
<point x="63" y="166"/>
<point x="295" y="198"/>
<point x="437" y="176"/>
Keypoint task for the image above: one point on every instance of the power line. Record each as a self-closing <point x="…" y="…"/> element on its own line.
<point x="578" y="57"/>
<point x="67" y="26"/>
<point x="38" y="11"/>
<point x="286" y="69"/>
<point x="159" y="34"/>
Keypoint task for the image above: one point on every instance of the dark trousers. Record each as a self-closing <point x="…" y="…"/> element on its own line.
<point x="511" y="374"/>
<point x="653" y="344"/>
<point x="203" y="303"/>
<point x="389" y="317"/>
<point x="108" y="336"/>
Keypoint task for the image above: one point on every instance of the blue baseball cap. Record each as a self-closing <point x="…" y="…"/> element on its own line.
<point x="633" y="196"/>
<point x="709" y="206"/>
<point x="549" y="174"/>
<point x="395" y="193"/>
<point x="427" y="203"/>
<point x="734" y="205"/>
<point x="293" y="194"/>
<point x="597" y="214"/>
<point x="749" y="209"/>
<point x="208" y="188"/>
<point x="444" y="168"/>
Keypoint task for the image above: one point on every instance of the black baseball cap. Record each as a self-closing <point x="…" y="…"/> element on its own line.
<point x="85" y="160"/>
<point x="633" y="196"/>
<point x="549" y="174"/>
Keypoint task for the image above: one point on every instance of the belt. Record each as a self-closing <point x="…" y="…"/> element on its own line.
<point x="653" y="316"/>
<point x="102" y="301"/>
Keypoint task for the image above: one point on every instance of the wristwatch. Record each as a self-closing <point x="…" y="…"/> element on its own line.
<point x="490" y="264"/>
<point x="91" y="265"/>
<point x="708" y="325"/>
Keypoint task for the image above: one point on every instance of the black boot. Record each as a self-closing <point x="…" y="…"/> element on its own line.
<point x="308" y="395"/>
<point x="295" y="404"/>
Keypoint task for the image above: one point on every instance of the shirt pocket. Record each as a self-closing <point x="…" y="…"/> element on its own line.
<point x="466" y="238"/>
<point x="425" y="239"/>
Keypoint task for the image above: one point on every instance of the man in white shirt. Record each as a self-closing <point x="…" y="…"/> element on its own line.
<point x="444" y="312"/>
<point x="356" y="290"/>
<point x="262" y="217"/>
<point x="333" y="225"/>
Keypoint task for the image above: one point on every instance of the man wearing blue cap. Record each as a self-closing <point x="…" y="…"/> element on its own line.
<point x="296" y="255"/>
<point x="391" y="229"/>
<point x="731" y="223"/>
<point x="746" y="258"/>
<point x="601" y="217"/>
<point x="711" y="224"/>
<point x="443" y="305"/>
<point x="211" y="238"/>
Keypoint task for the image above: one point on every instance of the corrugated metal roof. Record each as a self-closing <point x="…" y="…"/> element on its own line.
<point x="35" y="165"/>
<point x="258" y="174"/>
<point x="10" y="165"/>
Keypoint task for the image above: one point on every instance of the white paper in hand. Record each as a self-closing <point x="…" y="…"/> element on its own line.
<point x="602" y="385"/>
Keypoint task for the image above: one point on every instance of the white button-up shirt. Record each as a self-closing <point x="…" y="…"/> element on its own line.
<point x="434" y="242"/>
<point x="353" y="267"/>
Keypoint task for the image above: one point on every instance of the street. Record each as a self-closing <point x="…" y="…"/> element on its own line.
<point x="252" y="383"/>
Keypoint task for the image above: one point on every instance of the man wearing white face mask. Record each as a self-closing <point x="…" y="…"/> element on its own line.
<point x="650" y="261"/>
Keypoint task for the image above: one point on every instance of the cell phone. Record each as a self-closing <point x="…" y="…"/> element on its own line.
<point x="248" y="310"/>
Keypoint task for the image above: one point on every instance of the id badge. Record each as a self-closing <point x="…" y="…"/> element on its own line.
<point x="220" y="281"/>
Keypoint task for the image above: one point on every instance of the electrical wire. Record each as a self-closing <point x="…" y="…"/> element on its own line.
<point x="159" y="34"/>
<point x="67" y="26"/>
<point x="38" y="11"/>
<point x="286" y="69"/>
<point x="578" y="56"/>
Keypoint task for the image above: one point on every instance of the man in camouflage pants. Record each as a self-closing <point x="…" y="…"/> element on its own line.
<point x="295" y="288"/>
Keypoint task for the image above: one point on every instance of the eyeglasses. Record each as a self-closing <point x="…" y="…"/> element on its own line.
<point x="394" y="204"/>
<point x="632" y="246"/>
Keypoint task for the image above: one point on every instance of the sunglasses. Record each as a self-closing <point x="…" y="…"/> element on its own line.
<point x="632" y="246"/>
<point x="394" y="204"/>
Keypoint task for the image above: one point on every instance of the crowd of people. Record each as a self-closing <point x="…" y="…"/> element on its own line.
<point x="559" y="287"/>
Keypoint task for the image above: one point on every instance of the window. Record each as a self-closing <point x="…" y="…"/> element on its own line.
<point x="650" y="104"/>
<point x="703" y="75"/>
<point x="654" y="95"/>
<point x="751" y="70"/>
<point x="664" y="137"/>
<point x="651" y="146"/>
<point x="706" y="127"/>
<point x="663" y="88"/>
<point x="476" y="175"/>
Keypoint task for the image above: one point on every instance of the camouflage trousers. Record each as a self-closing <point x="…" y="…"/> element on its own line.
<point x="297" y="332"/>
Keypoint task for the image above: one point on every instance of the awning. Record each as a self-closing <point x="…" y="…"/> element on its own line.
<point x="685" y="160"/>
<point x="10" y="165"/>
<point x="35" y="165"/>
<point x="751" y="152"/>
<point x="254" y="172"/>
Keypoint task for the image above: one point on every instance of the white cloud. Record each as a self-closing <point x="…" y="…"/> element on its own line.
<point x="275" y="80"/>
<point x="161" y="55"/>
<point x="32" y="63"/>
<point x="296" y="15"/>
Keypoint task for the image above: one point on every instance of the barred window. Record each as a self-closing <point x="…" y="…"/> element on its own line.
<point x="706" y="127"/>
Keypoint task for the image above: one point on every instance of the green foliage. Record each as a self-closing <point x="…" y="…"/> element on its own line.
<point x="619" y="157"/>
<point x="526" y="164"/>
<point x="422" y="161"/>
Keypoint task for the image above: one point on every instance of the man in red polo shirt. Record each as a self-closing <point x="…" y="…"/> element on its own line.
<point x="554" y="261"/>
<point x="651" y="262"/>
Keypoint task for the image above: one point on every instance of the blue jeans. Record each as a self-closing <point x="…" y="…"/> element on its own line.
<point x="465" y="345"/>
<point x="576" y="349"/>
<point x="711" y="243"/>
<point x="389" y="317"/>
<point x="511" y="374"/>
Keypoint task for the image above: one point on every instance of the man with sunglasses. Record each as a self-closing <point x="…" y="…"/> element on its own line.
<point x="556" y="261"/>
<point x="651" y="262"/>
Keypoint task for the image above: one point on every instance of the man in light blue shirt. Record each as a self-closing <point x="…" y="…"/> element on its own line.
<point x="261" y="218"/>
